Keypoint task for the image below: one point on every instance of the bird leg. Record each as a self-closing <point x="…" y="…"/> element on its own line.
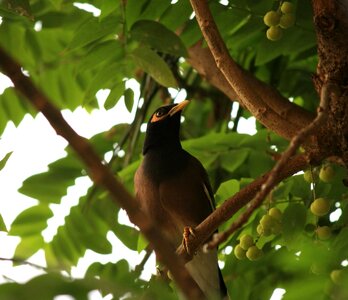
<point x="186" y="236"/>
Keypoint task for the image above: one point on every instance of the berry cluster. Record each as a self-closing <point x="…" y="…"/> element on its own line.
<point x="247" y="248"/>
<point x="278" y="20"/>
<point x="320" y="206"/>
<point x="270" y="223"/>
<point x="325" y="174"/>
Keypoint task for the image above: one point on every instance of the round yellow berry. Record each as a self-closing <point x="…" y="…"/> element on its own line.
<point x="336" y="276"/>
<point x="246" y="241"/>
<point x="239" y="252"/>
<point x="271" y="18"/>
<point x="320" y="207"/>
<point x="274" y="33"/>
<point x="275" y="213"/>
<point x="326" y="174"/>
<point x="287" y="8"/>
<point x="254" y="253"/>
<point x="287" y="21"/>
<point x="323" y="232"/>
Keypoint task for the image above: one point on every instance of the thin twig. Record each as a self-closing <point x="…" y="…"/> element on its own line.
<point x="24" y="262"/>
<point x="140" y="267"/>
<point x="102" y="176"/>
<point x="273" y="175"/>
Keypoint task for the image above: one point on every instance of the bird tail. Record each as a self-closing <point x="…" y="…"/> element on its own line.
<point x="205" y="271"/>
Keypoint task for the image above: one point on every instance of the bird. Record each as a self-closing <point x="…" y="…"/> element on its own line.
<point x="173" y="189"/>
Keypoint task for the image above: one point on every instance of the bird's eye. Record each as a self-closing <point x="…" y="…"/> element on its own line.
<point x="160" y="113"/>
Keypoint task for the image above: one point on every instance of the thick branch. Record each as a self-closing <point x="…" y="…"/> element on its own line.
<point x="264" y="103"/>
<point x="102" y="176"/>
<point x="223" y="213"/>
<point x="203" y="62"/>
<point x="331" y="25"/>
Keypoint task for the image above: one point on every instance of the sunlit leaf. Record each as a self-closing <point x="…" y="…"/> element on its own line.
<point x="129" y="99"/>
<point x="28" y="246"/>
<point x="115" y="95"/>
<point x="2" y="224"/>
<point x="4" y="160"/>
<point x="231" y="160"/>
<point x="31" y="221"/>
<point x="155" y="35"/>
<point x="294" y="220"/>
<point x="227" y="189"/>
<point x="154" y="65"/>
<point x="92" y="30"/>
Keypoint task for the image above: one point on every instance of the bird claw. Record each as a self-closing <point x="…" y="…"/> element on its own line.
<point x="186" y="235"/>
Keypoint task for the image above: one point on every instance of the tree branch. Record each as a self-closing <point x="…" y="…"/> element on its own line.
<point x="272" y="177"/>
<point x="102" y="176"/>
<point x="205" y="230"/>
<point x="266" y="104"/>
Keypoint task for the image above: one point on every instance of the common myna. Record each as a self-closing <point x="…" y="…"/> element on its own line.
<point x="173" y="189"/>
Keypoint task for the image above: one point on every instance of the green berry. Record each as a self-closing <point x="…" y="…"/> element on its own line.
<point x="275" y="213"/>
<point x="239" y="252"/>
<point x="287" y="21"/>
<point x="274" y="33"/>
<point x="246" y="241"/>
<point x="336" y="276"/>
<point x="271" y="18"/>
<point x="267" y="221"/>
<point x="320" y="207"/>
<point x="326" y="174"/>
<point x="287" y="8"/>
<point x="310" y="177"/>
<point x="260" y="229"/>
<point x="254" y="253"/>
<point x="323" y="232"/>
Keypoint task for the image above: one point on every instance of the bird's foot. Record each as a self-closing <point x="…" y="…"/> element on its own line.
<point x="186" y="235"/>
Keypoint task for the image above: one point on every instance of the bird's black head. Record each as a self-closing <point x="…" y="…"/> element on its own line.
<point x="164" y="126"/>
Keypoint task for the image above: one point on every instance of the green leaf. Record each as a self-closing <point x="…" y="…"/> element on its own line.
<point x="129" y="99"/>
<point x="92" y="30"/>
<point x="154" y="65"/>
<point x="12" y="106"/>
<point x="142" y="243"/>
<point x="108" y="7"/>
<point x="101" y="53"/>
<point x="299" y="187"/>
<point x="4" y="160"/>
<point x="294" y="220"/>
<point x="340" y="244"/>
<point x="31" y="221"/>
<point x="51" y="186"/>
<point x="2" y="225"/>
<point x="226" y="190"/>
<point x="231" y="160"/>
<point x="28" y="246"/>
<point x="156" y="35"/>
<point x="176" y="14"/>
<point x="133" y="10"/>
<point x="259" y="163"/>
<point x="103" y="79"/>
<point x="295" y="40"/>
<point x="64" y="247"/>
<point x="127" y="235"/>
<point x="115" y="95"/>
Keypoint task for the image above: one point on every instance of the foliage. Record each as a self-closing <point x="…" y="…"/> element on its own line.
<point x="71" y="54"/>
